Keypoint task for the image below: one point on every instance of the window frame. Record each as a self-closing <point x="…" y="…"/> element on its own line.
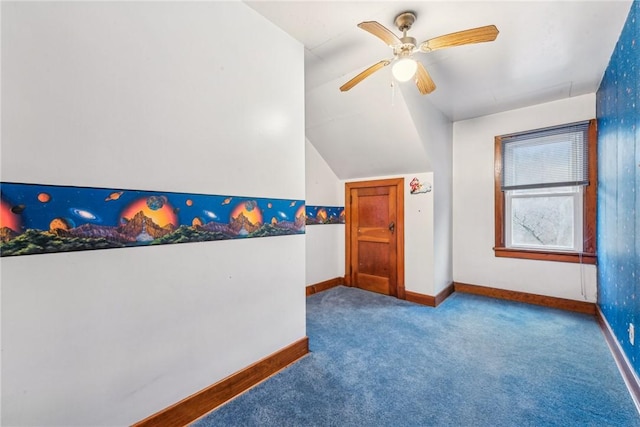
<point x="588" y="253"/>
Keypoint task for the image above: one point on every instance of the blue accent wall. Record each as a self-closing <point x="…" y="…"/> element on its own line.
<point x="618" y="113"/>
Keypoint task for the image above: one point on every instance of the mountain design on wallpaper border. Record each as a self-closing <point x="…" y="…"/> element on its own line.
<point x="7" y="234"/>
<point x="140" y="230"/>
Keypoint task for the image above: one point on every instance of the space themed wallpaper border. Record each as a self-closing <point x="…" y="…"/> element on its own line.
<point x="324" y="215"/>
<point x="38" y="219"/>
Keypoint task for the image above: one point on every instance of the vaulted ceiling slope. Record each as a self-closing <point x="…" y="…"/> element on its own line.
<point x="546" y="50"/>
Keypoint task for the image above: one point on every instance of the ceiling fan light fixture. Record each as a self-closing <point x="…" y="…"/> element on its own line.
<point x="404" y="69"/>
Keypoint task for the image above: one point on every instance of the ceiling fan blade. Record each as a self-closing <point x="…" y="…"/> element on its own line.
<point x="363" y="75"/>
<point x="475" y="35"/>
<point x="380" y="31"/>
<point x="423" y="80"/>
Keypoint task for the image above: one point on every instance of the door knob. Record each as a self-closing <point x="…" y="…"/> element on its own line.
<point x="392" y="227"/>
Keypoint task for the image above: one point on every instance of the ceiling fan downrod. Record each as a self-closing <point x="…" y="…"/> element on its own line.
<point x="404" y="21"/>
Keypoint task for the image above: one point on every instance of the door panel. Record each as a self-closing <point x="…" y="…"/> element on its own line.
<point x="373" y="283"/>
<point x="373" y="258"/>
<point x="373" y="225"/>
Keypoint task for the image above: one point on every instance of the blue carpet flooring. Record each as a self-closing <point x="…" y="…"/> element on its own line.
<point x="473" y="361"/>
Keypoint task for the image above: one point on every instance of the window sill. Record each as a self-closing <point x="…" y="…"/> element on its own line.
<point x="575" y="257"/>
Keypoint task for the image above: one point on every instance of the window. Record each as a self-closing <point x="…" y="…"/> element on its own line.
<point x="545" y="193"/>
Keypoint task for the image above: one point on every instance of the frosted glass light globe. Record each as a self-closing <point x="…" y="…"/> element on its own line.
<point x="404" y="69"/>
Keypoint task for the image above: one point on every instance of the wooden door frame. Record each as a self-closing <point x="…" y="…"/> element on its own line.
<point x="399" y="184"/>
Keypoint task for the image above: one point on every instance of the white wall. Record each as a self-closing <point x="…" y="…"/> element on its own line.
<point x="419" y="236"/>
<point x="324" y="243"/>
<point x="366" y="131"/>
<point x="150" y="96"/>
<point x="418" y="233"/>
<point x="473" y="203"/>
<point x="436" y="132"/>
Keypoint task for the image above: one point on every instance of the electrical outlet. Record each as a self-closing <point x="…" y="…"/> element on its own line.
<point x="632" y="334"/>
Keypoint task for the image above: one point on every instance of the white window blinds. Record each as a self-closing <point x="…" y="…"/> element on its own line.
<point x="551" y="157"/>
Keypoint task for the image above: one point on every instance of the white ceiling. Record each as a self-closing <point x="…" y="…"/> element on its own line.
<point x="546" y="50"/>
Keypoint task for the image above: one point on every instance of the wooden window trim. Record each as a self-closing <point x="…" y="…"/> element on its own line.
<point x="588" y="254"/>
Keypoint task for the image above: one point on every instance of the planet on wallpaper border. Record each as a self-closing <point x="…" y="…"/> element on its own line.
<point x="10" y="217"/>
<point x="321" y="215"/>
<point x="60" y="223"/>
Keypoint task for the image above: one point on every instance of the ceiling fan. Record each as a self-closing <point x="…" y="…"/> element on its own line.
<point x="404" y="65"/>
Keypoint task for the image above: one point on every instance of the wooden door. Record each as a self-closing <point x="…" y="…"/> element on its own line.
<point x="375" y="236"/>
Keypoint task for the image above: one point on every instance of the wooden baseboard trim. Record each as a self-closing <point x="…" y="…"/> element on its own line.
<point x="428" y="300"/>
<point x="204" y="401"/>
<point x="547" y="301"/>
<point x="421" y="299"/>
<point x="323" y="286"/>
<point x="444" y="294"/>
<point x="627" y="372"/>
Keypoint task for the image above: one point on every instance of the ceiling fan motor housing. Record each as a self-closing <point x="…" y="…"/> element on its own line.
<point x="407" y="47"/>
<point x="405" y="20"/>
